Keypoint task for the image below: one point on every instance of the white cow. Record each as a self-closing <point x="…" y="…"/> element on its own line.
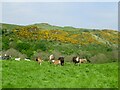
<point x="17" y="59"/>
<point x="51" y="58"/>
<point x="27" y="59"/>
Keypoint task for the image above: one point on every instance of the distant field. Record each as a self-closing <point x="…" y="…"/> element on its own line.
<point x="24" y="74"/>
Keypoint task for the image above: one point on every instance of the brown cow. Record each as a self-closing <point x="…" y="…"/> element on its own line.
<point x="60" y="61"/>
<point x="83" y="60"/>
<point x="57" y="62"/>
<point x="39" y="60"/>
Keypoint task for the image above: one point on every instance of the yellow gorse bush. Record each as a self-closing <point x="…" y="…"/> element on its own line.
<point x="83" y="38"/>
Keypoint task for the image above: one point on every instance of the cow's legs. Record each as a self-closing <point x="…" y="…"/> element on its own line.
<point x="40" y="63"/>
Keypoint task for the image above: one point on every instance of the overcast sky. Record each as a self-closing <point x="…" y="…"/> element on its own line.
<point x="99" y="15"/>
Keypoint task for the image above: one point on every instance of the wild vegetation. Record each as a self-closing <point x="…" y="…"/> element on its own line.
<point x="44" y="39"/>
<point x="99" y="46"/>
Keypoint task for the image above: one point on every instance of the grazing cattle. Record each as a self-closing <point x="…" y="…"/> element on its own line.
<point x="76" y="60"/>
<point x="39" y="60"/>
<point x="6" y="57"/>
<point x="17" y="59"/>
<point x="61" y="60"/>
<point x="83" y="60"/>
<point x="57" y="62"/>
<point x="51" y="58"/>
<point x="52" y="61"/>
<point x="0" y="57"/>
<point x="27" y="59"/>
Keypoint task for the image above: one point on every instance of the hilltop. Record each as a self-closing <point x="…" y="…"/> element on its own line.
<point x="44" y="39"/>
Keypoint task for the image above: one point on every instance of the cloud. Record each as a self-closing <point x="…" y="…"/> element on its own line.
<point x="88" y="15"/>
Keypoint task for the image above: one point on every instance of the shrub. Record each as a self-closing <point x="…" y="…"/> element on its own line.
<point x="14" y="53"/>
<point x="41" y="45"/>
<point x="36" y="54"/>
<point x="28" y="52"/>
<point x="22" y="46"/>
<point x="12" y="44"/>
<point x="112" y="56"/>
<point x="5" y="43"/>
<point x="43" y="55"/>
<point x="57" y="54"/>
<point x="109" y="49"/>
<point x="85" y="54"/>
<point x="68" y="58"/>
<point x="99" y="58"/>
<point x="5" y="46"/>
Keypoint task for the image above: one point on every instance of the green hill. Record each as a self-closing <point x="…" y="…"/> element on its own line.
<point x="8" y="26"/>
<point x="45" y="39"/>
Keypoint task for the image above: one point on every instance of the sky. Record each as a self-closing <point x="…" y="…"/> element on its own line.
<point x="93" y="15"/>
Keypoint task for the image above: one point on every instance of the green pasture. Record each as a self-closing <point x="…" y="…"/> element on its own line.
<point x="25" y="74"/>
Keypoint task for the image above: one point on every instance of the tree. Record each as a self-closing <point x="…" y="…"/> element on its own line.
<point x="23" y="46"/>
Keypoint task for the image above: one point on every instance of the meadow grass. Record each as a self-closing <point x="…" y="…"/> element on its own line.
<point x="24" y="74"/>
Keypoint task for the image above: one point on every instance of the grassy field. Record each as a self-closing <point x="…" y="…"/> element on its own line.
<point x="24" y="74"/>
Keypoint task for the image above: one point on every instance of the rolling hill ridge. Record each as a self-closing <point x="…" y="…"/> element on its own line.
<point x="33" y="39"/>
<point x="77" y="35"/>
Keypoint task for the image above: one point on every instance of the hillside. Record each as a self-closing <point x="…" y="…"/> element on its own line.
<point x="45" y="39"/>
<point x="8" y="26"/>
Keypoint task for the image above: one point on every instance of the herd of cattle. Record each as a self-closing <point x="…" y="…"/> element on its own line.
<point x="52" y="60"/>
